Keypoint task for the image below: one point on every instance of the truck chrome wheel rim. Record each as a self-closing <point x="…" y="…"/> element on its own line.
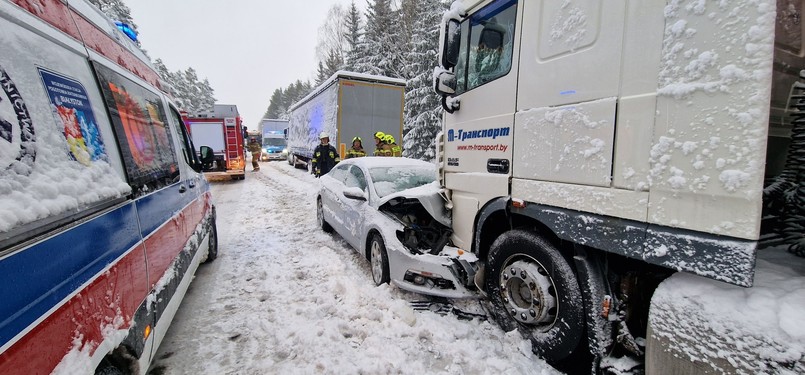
<point x="377" y="262"/>
<point x="528" y="293"/>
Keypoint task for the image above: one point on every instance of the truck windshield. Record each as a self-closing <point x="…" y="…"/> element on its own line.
<point x="389" y="180"/>
<point x="487" y="38"/>
<point x="273" y="142"/>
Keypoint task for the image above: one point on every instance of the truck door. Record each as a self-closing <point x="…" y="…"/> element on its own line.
<point x="478" y="136"/>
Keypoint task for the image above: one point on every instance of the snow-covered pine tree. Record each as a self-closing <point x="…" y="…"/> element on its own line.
<point x="275" y="110"/>
<point x="378" y="50"/>
<point x="353" y="36"/>
<point x="423" y="111"/>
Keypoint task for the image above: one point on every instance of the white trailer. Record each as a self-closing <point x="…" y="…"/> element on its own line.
<point x="346" y="106"/>
<point x="591" y="148"/>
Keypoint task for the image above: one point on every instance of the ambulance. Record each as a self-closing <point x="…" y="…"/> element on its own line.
<point x="104" y="216"/>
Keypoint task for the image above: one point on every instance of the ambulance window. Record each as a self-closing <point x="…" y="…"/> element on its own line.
<point x="487" y="46"/>
<point x="142" y="132"/>
<point x="188" y="149"/>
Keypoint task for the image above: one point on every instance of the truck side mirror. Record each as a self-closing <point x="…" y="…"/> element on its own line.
<point x="452" y="43"/>
<point x="444" y="83"/>
<point x="207" y="156"/>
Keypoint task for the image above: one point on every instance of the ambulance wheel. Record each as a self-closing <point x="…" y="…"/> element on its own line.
<point x="533" y="289"/>
<point x="320" y="217"/>
<point x="212" y="251"/>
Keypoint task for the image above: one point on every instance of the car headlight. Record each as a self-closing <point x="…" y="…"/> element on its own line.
<point x="284" y="150"/>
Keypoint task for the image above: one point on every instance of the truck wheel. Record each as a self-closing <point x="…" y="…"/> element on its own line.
<point x="320" y="217"/>
<point x="379" y="260"/>
<point x="533" y="289"/>
<point x="212" y="252"/>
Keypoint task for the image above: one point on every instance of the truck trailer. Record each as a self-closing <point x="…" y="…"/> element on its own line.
<point x="220" y="129"/>
<point x="591" y="149"/>
<point x="346" y="106"/>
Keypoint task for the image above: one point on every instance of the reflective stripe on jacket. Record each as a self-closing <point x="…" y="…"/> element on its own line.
<point x="353" y="153"/>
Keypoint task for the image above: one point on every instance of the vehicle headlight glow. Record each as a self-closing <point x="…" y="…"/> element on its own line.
<point x="265" y="150"/>
<point x="284" y="150"/>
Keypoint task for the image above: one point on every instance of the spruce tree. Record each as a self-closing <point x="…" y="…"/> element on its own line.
<point x="353" y="23"/>
<point x="378" y="49"/>
<point x="423" y="111"/>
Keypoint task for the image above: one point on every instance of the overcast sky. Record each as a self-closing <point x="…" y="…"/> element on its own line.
<point x="246" y="48"/>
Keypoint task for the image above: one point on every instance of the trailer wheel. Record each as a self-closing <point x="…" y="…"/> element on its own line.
<point x="320" y="217"/>
<point x="379" y="260"/>
<point x="533" y="289"/>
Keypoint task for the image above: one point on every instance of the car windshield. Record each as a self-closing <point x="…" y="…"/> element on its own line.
<point x="389" y="180"/>
<point x="273" y="142"/>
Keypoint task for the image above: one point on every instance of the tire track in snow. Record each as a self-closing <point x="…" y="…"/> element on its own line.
<point x="285" y="297"/>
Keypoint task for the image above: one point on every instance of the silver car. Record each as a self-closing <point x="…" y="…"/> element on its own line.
<point x="391" y="212"/>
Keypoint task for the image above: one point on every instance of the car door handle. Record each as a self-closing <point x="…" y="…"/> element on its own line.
<point x="192" y="184"/>
<point x="182" y="189"/>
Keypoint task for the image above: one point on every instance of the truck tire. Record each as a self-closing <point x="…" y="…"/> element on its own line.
<point x="532" y="289"/>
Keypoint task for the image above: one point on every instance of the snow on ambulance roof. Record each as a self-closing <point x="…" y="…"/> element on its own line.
<point x="343" y="74"/>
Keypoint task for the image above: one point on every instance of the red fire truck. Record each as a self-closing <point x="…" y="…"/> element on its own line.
<point x="221" y="130"/>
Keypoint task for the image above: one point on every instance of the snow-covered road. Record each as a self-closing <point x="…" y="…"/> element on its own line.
<point x="284" y="297"/>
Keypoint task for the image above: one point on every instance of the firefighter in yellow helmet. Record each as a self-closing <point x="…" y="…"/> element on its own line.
<point x="395" y="149"/>
<point x="356" y="150"/>
<point x="381" y="148"/>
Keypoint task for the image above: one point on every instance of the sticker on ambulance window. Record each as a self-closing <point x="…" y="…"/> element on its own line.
<point x="17" y="138"/>
<point x="72" y="109"/>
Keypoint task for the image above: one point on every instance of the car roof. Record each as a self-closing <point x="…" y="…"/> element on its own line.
<point x="369" y="162"/>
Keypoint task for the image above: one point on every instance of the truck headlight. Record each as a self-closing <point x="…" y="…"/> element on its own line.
<point x="285" y="151"/>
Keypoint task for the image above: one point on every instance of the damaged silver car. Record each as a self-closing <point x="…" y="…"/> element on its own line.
<point x="391" y="212"/>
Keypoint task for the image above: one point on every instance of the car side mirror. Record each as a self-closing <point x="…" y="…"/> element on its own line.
<point x="207" y="155"/>
<point x="355" y="193"/>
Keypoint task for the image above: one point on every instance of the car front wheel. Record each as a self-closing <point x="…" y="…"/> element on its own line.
<point x="320" y="217"/>
<point x="533" y="289"/>
<point x="379" y="260"/>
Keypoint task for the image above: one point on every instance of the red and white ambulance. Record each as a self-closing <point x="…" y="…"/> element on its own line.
<point x="104" y="216"/>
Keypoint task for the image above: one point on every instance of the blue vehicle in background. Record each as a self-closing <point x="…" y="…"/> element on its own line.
<point x="275" y="145"/>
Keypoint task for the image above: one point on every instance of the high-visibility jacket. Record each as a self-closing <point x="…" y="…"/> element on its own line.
<point x="383" y="150"/>
<point x="396" y="150"/>
<point x="353" y="153"/>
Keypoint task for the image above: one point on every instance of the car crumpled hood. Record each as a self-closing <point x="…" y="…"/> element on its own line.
<point x="428" y="196"/>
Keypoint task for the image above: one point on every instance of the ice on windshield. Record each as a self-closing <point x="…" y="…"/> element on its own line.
<point x="389" y="180"/>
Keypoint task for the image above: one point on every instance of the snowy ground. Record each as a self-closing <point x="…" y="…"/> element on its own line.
<point x="284" y="297"/>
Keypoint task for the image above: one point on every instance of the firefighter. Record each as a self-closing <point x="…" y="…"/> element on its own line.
<point x="256" y="150"/>
<point x="392" y="144"/>
<point x="357" y="149"/>
<point x="325" y="156"/>
<point x="381" y="148"/>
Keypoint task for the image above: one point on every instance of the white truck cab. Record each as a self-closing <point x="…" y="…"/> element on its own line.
<point x="592" y="148"/>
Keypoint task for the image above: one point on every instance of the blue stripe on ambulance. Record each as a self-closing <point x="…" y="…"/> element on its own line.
<point x="74" y="257"/>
